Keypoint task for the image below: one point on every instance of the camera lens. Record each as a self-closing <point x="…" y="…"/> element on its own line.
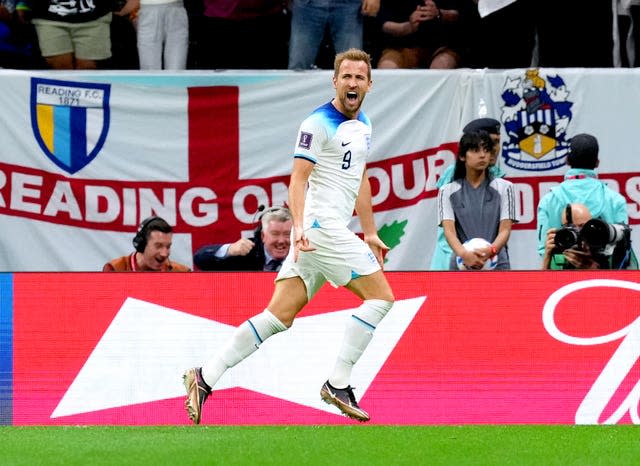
<point x="596" y="233"/>
<point x="566" y="238"/>
<point x="599" y="234"/>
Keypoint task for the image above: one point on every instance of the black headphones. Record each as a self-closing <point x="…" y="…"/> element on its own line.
<point x="140" y="240"/>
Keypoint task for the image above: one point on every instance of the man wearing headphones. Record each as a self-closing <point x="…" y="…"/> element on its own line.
<point x="581" y="184"/>
<point x="265" y="251"/>
<point x="152" y="245"/>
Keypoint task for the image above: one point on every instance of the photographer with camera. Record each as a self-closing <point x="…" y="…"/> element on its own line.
<point x="581" y="184"/>
<point x="584" y="242"/>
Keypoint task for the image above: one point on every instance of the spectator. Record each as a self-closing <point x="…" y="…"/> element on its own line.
<point x="629" y="32"/>
<point x="310" y="19"/>
<point x="426" y="35"/>
<point x="124" y="52"/>
<point x="476" y="205"/>
<point x="572" y="35"/>
<point x="265" y="251"/>
<point x="152" y="244"/>
<point x="549" y="33"/>
<point x="503" y="35"/>
<point x="162" y="32"/>
<point x="442" y="253"/>
<point x="586" y="243"/>
<point x="16" y="42"/>
<point x="580" y="184"/>
<point x="71" y="35"/>
<point x="242" y="34"/>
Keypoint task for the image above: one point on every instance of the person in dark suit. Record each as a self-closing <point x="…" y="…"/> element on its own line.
<point x="265" y="251"/>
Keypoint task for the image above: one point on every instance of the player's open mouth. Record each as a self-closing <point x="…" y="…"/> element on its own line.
<point x="351" y="95"/>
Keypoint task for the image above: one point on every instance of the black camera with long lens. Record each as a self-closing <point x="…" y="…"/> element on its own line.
<point x="608" y="244"/>
<point x="600" y="236"/>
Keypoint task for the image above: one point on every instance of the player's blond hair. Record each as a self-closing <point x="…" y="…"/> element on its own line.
<point x="352" y="55"/>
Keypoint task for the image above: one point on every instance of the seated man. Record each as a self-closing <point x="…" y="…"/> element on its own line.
<point x="586" y="243"/>
<point x="265" y="251"/>
<point x="152" y="245"/>
<point x="421" y="34"/>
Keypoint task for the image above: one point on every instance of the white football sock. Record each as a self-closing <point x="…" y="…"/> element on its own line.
<point x="357" y="336"/>
<point x="247" y="337"/>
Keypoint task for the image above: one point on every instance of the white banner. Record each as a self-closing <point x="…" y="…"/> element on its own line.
<point x="85" y="156"/>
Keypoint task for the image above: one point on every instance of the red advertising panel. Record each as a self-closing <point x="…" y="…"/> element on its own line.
<point x="456" y="348"/>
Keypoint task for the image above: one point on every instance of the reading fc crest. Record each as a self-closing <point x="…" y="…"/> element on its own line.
<point x="535" y="114"/>
<point x="70" y="120"/>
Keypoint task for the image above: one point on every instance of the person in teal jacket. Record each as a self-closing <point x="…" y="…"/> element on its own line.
<point x="580" y="185"/>
<point x="442" y="252"/>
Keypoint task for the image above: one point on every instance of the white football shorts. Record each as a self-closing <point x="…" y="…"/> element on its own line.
<point x="339" y="257"/>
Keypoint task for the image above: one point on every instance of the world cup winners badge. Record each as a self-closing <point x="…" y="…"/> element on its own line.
<point x="535" y="115"/>
<point x="70" y="120"/>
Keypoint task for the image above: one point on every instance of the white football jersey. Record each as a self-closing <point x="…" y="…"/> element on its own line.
<point x="339" y="148"/>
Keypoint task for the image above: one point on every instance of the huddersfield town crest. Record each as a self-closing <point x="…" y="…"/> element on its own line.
<point x="70" y="120"/>
<point x="536" y="114"/>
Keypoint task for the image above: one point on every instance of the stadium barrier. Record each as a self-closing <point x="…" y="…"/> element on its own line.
<point x="457" y="348"/>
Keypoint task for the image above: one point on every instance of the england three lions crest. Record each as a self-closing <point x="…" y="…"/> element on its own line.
<point x="70" y="120"/>
<point x="536" y="115"/>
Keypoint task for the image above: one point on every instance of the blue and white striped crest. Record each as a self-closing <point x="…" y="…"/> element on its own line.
<point x="70" y="120"/>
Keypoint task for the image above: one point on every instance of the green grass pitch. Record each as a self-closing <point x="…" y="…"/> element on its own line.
<point x="321" y="445"/>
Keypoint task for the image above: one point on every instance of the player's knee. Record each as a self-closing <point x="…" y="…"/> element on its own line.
<point x="372" y="311"/>
<point x="381" y="306"/>
<point x="264" y="326"/>
<point x="281" y="320"/>
<point x="277" y="323"/>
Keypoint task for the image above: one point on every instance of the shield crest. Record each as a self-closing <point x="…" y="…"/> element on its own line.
<point x="70" y="120"/>
<point x="537" y="133"/>
<point x="535" y="115"/>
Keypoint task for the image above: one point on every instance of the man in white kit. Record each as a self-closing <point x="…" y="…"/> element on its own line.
<point x="330" y="165"/>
